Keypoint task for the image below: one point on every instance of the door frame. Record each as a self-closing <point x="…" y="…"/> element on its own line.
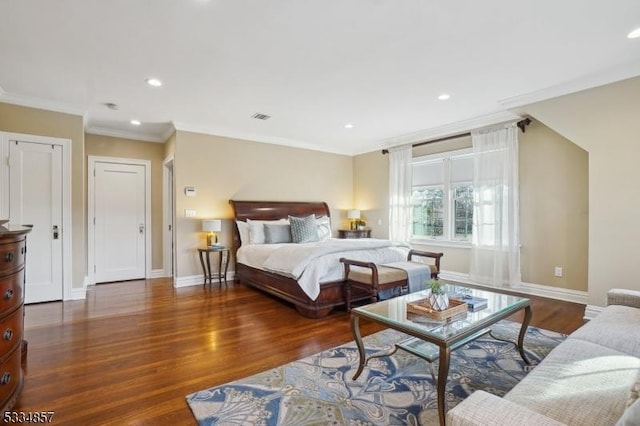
<point x="91" y="229"/>
<point x="67" y="258"/>
<point x="168" y="216"/>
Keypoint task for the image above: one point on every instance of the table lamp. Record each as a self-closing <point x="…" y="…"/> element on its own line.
<point x="211" y="226"/>
<point x="353" y="216"/>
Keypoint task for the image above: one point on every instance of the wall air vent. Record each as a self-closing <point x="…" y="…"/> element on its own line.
<point x="261" y="116"/>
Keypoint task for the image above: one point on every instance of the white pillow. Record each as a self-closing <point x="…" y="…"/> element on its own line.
<point x="324" y="228"/>
<point x="256" y="229"/>
<point x="243" y="230"/>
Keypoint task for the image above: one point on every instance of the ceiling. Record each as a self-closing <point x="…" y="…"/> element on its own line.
<point x="312" y="66"/>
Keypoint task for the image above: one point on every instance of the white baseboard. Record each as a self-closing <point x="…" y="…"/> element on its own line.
<point x="78" y="293"/>
<point x="567" y="295"/>
<point x="157" y="273"/>
<point x="197" y="280"/>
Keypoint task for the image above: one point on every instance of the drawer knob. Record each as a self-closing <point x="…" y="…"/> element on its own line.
<point x="8" y="334"/>
<point x="9" y="257"/>
<point x="8" y="294"/>
<point x="6" y="378"/>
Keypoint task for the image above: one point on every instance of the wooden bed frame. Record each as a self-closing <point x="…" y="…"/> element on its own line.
<point x="331" y="293"/>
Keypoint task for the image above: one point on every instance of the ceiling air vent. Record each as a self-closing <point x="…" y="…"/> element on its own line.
<point x="261" y="116"/>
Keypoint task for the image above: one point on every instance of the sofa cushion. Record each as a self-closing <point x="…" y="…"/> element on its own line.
<point x="579" y="383"/>
<point x="482" y="408"/>
<point x="616" y="327"/>
<point x="631" y="416"/>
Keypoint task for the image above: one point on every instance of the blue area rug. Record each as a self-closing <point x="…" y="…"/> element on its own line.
<point x="393" y="390"/>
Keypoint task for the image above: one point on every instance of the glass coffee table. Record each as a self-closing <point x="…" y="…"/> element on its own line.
<point x="435" y="339"/>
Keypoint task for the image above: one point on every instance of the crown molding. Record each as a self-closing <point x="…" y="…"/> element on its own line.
<point x="170" y="131"/>
<point x="39" y="103"/>
<point x="611" y="75"/>
<point x="103" y="131"/>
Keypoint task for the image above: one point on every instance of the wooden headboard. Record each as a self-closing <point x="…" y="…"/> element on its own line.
<point x="273" y="210"/>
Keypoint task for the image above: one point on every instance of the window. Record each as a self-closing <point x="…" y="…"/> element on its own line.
<point x="442" y="196"/>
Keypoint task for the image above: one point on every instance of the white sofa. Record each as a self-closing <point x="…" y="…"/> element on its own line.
<point x="591" y="378"/>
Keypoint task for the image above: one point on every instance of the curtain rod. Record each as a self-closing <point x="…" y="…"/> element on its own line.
<point x="522" y="124"/>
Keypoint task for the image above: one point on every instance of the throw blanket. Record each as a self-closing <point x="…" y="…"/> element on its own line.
<point x="308" y="263"/>
<point x="292" y="260"/>
<point x="418" y="274"/>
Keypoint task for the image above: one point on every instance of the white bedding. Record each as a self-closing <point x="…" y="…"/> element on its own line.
<point x="314" y="263"/>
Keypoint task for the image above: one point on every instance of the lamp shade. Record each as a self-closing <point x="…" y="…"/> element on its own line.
<point x="212" y="225"/>
<point x="353" y="214"/>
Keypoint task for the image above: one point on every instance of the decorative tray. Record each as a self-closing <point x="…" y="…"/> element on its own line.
<point x="423" y="307"/>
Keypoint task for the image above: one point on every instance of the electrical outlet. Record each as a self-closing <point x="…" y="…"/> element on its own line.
<point x="189" y="213"/>
<point x="558" y="271"/>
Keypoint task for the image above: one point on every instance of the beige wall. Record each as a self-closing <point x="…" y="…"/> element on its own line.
<point x="554" y="205"/>
<point x="604" y="121"/>
<point x="106" y="146"/>
<point x="371" y="192"/>
<point x="18" y="119"/>
<point x="554" y="208"/>
<point x="170" y="146"/>
<point x="222" y="168"/>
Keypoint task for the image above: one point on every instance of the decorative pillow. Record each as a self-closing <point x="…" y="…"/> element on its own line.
<point x="256" y="230"/>
<point x="277" y="233"/>
<point x="243" y="230"/>
<point x="324" y="227"/>
<point x="304" y="229"/>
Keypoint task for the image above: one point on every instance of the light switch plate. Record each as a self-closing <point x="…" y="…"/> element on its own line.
<point x="190" y="213"/>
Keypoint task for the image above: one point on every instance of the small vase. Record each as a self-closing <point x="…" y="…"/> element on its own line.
<point x="439" y="302"/>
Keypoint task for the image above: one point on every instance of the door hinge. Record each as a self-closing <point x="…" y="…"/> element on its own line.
<point x="94" y="269"/>
<point x="94" y="221"/>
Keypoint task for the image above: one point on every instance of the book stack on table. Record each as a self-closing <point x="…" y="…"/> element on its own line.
<point x="474" y="303"/>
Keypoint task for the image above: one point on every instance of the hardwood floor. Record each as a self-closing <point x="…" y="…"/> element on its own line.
<point x="131" y="352"/>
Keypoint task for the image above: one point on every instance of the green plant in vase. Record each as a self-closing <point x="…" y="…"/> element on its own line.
<point x="438" y="298"/>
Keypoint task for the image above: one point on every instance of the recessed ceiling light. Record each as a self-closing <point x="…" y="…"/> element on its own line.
<point x="349" y="126"/>
<point x="153" y="82"/>
<point x="444" y="97"/>
<point x="135" y="122"/>
<point x="634" y="34"/>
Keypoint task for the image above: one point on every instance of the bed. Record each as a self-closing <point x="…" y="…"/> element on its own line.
<point x="329" y="288"/>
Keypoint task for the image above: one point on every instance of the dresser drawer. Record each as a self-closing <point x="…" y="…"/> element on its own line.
<point x="12" y="256"/>
<point x="11" y="291"/>
<point x="11" y="330"/>
<point x="10" y="377"/>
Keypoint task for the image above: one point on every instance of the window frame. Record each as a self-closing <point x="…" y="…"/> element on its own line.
<point x="448" y="198"/>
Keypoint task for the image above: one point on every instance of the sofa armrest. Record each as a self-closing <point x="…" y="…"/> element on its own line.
<point x="482" y="408"/>
<point x="619" y="296"/>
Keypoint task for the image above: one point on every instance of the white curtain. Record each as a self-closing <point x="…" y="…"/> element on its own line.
<point x="495" y="250"/>
<point x="400" y="194"/>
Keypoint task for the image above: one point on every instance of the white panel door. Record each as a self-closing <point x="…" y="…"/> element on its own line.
<point x="35" y="198"/>
<point x="119" y="221"/>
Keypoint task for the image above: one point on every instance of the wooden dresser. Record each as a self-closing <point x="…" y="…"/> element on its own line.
<point x="13" y="250"/>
